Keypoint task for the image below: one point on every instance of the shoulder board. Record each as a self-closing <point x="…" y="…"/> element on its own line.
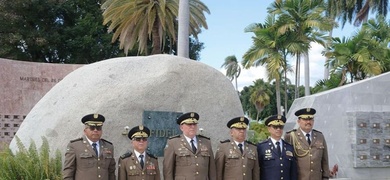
<point x="126" y="155"/>
<point x="204" y="136"/>
<point x="317" y="131"/>
<point x="225" y="141"/>
<point x="263" y="142"/>
<point x="175" y="136"/>
<point x="151" y="155"/>
<point x="74" y="140"/>
<point x="291" y="131"/>
<point x="106" y="141"/>
<point x="250" y="143"/>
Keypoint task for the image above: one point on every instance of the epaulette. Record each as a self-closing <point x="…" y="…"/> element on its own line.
<point x="263" y="142"/>
<point x="106" y="141"/>
<point x="291" y="131"/>
<point x="317" y="131"/>
<point x="74" y="140"/>
<point x="175" y="136"/>
<point x="126" y="155"/>
<point x="152" y="156"/>
<point x="204" y="136"/>
<point x="225" y="141"/>
<point x="250" y="143"/>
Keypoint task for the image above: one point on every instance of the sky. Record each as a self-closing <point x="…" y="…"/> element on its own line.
<point x="225" y="36"/>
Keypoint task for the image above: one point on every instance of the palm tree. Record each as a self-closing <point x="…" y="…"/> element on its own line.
<point x="364" y="54"/>
<point x="379" y="6"/>
<point x="233" y="69"/>
<point x="270" y="49"/>
<point x="304" y="18"/>
<point x="265" y="51"/>
<point x="136" y="22"/>
<point x="259" y="96"/>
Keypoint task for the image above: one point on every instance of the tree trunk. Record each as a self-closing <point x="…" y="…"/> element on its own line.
<point x="183" y="34"/>
<point x="307" y="74"/>
<point x="156" y="39"/>
<point x="297" y="64"/>
<point x="326" y="68"/>
<point x="278" y="101"/>
<point x="285" y="93"/>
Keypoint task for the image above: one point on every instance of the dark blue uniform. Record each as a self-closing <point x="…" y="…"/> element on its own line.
<point x="273" y="167"/>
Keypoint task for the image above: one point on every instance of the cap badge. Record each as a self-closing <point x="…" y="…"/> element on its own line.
<point x="242" y="119"/>
<point x="192" y="115"/>
<point x="95" y="116"/>
<point x="141" y="127"/>
<point x="308" y="109"/>
<point x="279" y="117"/>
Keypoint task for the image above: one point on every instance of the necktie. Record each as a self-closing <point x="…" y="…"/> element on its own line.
<point x="95" y="148"/>
<point x="278" y="148"/>
<point x="308" y="138"/>
<point x="193" y="146"/>
<point x="141" y="162"/>
<point x="240" y="146"/>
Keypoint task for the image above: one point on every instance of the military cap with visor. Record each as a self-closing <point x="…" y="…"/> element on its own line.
<point x="188" y="118"/>
<point x="238" y="122"/>
<point x="93" y="120"/>
<point x="275" y="120"/>
<point x="305" y="113"/>
<point x="139" y="132"/>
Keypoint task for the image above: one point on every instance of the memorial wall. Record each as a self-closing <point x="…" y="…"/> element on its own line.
<point x="23" y="84"/>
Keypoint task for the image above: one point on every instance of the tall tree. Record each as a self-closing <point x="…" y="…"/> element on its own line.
<point x="364" y="54"/>
<point x="260" y="96"/>
<point x="233" y="68"/>
<point x="379" y="6"/>
<point x="54" y="31"/>
<point x="134" y="22"/>
<point x="270" y="49"/>
<point x="304" y="18"/>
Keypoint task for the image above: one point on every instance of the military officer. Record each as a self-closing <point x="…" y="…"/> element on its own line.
<point x="188" y="156"/>
<point x="310" y="147"/>
<point x="138" y="164"/>
<point x="236" y="158"/>
<point x="90" y="157"/>
<point x="276" y="156"/>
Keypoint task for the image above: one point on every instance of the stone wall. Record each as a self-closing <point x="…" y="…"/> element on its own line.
<point x="23" y="84"/>
<point x="355" y="120"/>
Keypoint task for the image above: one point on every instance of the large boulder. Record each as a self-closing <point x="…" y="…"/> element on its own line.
<point x="122" y="89"/>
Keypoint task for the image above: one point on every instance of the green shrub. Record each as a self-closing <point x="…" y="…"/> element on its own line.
<point x="30" y="164"/>
<point x="257" y="132"/>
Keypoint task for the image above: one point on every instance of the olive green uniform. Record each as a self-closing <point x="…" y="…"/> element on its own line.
<point x="232" y="165"/>
<point x="180" y="163"/>
<point x="312" y="159"/>
<point x="81" y="162"/>
<point x="129" y="168"/>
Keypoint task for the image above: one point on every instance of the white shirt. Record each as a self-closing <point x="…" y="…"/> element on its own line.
<point x="237" y="143"/>
<point x="304" y="133"/>
<point x="97" y="144"/>
<point x="137" y="155"/>
<point x="280" y="143"/>
<point x="189" y="141"/>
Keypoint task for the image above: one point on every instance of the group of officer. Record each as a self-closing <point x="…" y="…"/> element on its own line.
<point x="301" y="154"/>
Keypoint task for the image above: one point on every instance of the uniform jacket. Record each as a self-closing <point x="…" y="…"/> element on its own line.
<point x="81" y="162"/>
<point x="232" y="165"/>
<point x="130" y="169"/>
<point x="274" y="166"/>
<point x="181" y="164"/>
<point x="312" y="159"/>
